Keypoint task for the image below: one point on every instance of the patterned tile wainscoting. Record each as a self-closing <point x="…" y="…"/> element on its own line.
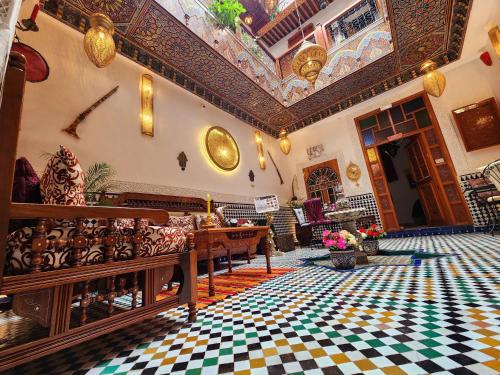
<point x="284" y="219"/>
<point x="479" y="214"/>
<point x="367" y="201"/>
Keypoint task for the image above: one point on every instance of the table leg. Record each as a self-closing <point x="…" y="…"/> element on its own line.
<point x="248" y="254"/>
<point x="229" y="261"/>
<point x="211" y="287"/>
<point x="267" y="253"/>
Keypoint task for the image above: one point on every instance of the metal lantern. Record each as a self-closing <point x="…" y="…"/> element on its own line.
<point x="98" y="41"/>
<point x="309" y="60"/>
<point x="248" y="19"/>
<point x="270" y="5"/>
<point x="434" y="80"/>
<point x="285" y="144"/>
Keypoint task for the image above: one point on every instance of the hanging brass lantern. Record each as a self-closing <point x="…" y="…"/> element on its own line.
<point x="270" y="5"/>
<point x="309" y="60"/>
<point x="434" y="80"/>
<point x="285" y="143"/>
<point x="248" y="19"/>
<point x="98" y="41"/>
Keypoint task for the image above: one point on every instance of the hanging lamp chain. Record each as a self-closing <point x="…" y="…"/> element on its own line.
<point x="300" y="21"/>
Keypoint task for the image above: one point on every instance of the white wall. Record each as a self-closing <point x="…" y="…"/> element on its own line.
<point x="467" y="82"/>
<point x="112" y="132"/>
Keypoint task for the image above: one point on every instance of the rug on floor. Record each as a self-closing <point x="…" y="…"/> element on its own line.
<point x="229" y="284"/>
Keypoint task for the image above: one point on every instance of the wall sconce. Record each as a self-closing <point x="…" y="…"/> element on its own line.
<point x="434" y="80"/>
<point x="260" y="150"/>
<point x="147" y="124"/>
<point x="285" y="143"/>
<point x="494" y="35"/>
<point x="98" y="41"/>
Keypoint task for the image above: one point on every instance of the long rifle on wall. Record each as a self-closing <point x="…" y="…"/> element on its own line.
<point x="276" y="167"/>
<point x="71" y="130"/>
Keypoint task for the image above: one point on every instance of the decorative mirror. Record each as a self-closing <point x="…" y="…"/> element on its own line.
<point x="222" y="148"/>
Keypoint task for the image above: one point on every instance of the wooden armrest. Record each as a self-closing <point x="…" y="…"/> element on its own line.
<point x="51" y="211"/>
<point x="235" y="229"/>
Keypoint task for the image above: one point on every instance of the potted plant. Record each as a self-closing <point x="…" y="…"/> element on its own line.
<point x="98" y="179"/>
<point x="370" y="237"/>
<point x="227" y="12"/>
<point x="342" y="246"/>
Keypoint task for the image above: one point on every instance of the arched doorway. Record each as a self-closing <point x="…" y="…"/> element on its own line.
<point x="323" y="181"/>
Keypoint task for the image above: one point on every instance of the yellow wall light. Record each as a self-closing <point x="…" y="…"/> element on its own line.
<point x="147" y="123"/>
<point x="260" y="150"/>
<point x="494" y="35"/>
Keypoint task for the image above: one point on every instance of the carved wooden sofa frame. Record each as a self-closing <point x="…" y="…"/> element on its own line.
<point x="210" y="243"/>
<point x="60" y="299"/>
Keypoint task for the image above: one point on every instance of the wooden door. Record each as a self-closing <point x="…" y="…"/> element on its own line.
<point x="323" y="181"/>
<point x="425" y="183"/>
<point x="381" y="189"/>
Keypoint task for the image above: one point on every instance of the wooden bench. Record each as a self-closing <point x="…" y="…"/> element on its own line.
<point x="210" y="243"/>
<point x="57" y="302"/>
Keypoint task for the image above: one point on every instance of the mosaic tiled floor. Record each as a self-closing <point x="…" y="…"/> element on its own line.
<point x="442" y="317"/>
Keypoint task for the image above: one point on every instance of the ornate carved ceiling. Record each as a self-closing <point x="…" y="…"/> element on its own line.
<point x="153" y="37"/>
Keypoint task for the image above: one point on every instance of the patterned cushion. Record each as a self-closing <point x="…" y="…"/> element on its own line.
<point x="156" y="241"/>
<point x="200" y="220"/>
<point x="62" y="181"/>
<point x="162" y="240"/>
<point x="130" y="223"/>
<point x="183" y="222"/>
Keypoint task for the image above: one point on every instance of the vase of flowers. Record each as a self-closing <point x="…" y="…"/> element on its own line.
<point x="341" y="245"/>
<point x="370" y="237"/>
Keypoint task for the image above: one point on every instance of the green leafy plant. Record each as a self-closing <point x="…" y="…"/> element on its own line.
<point x="99" y="178"/>
<point x="226" y="11"/>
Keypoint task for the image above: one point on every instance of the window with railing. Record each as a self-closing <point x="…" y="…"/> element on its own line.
<point x="352" y="21"/>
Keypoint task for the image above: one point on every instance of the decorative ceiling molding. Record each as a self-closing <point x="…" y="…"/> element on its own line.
<point x="151" y="36"/>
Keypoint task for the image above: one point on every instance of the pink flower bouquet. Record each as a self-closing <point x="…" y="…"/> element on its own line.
<point x="342" y="240"/>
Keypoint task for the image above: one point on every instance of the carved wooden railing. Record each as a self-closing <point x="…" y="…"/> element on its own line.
<point x="42" y="213"/>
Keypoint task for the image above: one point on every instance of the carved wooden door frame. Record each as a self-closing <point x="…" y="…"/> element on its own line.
<point x="455" y="206"/>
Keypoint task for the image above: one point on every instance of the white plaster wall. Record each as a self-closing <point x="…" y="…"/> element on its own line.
<point x="468" y="81"/>
<point x="112" y="132"/>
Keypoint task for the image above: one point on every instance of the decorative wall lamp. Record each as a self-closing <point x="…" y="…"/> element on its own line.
<point x="434" y="80"/>
<point x="222" y="149"/>
<point x="285" y="143"/>
<point x="260" y="150"/>
<point x="98" y="41"/>
<point x="494" y="35"/>
<point x="147" y="123"/>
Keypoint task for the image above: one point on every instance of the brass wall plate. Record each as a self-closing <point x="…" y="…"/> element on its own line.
<point x="222" y="148"/>
<point x="353" y="172"/>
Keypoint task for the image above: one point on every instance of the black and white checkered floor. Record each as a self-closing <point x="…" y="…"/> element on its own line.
<point x="441" y="317"/>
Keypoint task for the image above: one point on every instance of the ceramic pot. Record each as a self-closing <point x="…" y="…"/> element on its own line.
<point x="343" y="259"/>
<point x="370" y="247"/>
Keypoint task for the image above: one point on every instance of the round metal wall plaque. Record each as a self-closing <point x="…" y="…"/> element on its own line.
<point x="222" y="148"/>
<point x="353" y="172"/>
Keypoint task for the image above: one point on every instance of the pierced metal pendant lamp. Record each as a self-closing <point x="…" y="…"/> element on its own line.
<point x="434" y="81"/>
<point x="309" y="59"/>
<point x="98" y="41"/>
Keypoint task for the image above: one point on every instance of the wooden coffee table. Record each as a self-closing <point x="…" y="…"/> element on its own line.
<point x="218" y="242"/>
